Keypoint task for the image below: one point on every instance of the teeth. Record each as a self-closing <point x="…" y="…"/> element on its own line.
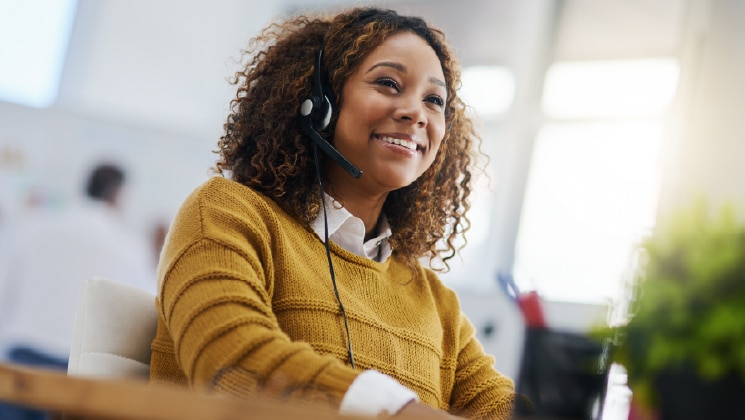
<point x="405" y="143"/>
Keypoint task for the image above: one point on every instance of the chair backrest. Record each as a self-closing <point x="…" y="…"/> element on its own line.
<point x="114" y="326"/>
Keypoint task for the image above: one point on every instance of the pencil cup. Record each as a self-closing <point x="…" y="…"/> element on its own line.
<point x="563" y="375"/>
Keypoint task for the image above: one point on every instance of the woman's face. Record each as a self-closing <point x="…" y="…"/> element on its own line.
<point x="392" y="117"/>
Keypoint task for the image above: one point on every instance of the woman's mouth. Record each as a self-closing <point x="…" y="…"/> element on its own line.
<point x="400" y="142"/>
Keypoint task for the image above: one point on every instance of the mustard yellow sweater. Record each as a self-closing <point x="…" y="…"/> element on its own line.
<point x="246" y="305"/>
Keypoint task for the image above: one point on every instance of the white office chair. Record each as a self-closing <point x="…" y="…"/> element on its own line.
<point x="114" y="326"/>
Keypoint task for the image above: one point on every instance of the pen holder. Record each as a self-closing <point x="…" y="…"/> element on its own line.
<point x="563" y="375"/>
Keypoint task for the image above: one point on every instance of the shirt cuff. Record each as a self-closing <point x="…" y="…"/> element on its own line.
<point x="374" y="393"/>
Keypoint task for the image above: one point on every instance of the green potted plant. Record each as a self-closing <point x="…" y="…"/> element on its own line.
<point x="685" y="338"/>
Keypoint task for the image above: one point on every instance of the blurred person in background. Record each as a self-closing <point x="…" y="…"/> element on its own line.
<point x="48" y="258"/>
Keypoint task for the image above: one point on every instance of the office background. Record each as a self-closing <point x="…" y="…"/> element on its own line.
<point x="598" y="117"/>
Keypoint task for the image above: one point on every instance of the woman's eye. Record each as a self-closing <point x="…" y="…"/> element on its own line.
<point x="388" y="82"/>
<point x="437" y="100"/>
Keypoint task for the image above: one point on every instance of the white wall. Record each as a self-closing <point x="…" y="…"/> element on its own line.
<point x="705" y="148"/>
<point x="47" y="153"/>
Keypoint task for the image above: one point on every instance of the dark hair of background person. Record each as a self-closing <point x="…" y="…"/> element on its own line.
<point x="104" y="182"/>
<point x="264" y="148"/>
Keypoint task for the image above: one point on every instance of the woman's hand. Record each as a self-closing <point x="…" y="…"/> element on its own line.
<point x="417" y="410"/>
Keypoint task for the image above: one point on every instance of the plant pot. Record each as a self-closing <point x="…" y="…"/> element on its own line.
<point x="684" y="395"/>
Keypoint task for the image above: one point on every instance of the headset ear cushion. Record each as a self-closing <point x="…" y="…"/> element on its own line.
<point x="324" y="122"/>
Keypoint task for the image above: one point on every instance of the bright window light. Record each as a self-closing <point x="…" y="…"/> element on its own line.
<point x="623" y="88"/>
<point x="33" y="43"/>
<point x="489" y="90"/>
<point x="591" y="194"/>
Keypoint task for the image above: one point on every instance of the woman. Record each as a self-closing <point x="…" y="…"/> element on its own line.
<point x="299" y="278"/>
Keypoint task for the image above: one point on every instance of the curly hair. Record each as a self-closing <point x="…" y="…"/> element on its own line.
<point x="263" y="147"/>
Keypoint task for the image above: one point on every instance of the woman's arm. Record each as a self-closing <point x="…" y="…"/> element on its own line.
<point x="216" y="285"/>
<point x="479" y="391"/>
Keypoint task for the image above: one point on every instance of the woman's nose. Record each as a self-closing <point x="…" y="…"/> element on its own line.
<point x="411" y="109"/>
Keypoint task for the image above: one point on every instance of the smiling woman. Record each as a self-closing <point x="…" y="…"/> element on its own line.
<point x="257" y="266"/>
<point x="392" y="121"/>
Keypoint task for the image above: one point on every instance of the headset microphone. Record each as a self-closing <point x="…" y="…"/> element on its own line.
<point x="315" y="115"/>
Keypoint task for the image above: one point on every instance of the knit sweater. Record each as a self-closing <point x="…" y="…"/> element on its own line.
<point x="246" y="305"/>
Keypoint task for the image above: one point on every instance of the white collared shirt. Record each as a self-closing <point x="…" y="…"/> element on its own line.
<point x="348" y="232"/>
<point x="372" y="392"/>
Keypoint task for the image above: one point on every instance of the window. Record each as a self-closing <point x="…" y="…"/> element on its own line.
<point x="33" y="43"/>
<point x="593" y="183"/>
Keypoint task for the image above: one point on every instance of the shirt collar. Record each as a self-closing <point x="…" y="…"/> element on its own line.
<point x="348" y="231"/>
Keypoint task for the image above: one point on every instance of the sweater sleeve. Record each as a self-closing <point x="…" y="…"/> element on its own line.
<point x="215" y="298"/>
<point x="479" y="391"/>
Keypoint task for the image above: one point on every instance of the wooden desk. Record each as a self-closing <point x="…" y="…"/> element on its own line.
<point x="87" y="398"/>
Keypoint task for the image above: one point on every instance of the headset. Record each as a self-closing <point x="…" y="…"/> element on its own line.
<point x="314" y="115"/>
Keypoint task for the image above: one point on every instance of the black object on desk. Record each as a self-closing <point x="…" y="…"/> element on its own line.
<point x="563" y="375"/>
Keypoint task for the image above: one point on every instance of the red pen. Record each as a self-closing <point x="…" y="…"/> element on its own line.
<point x="530" y="306"/>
